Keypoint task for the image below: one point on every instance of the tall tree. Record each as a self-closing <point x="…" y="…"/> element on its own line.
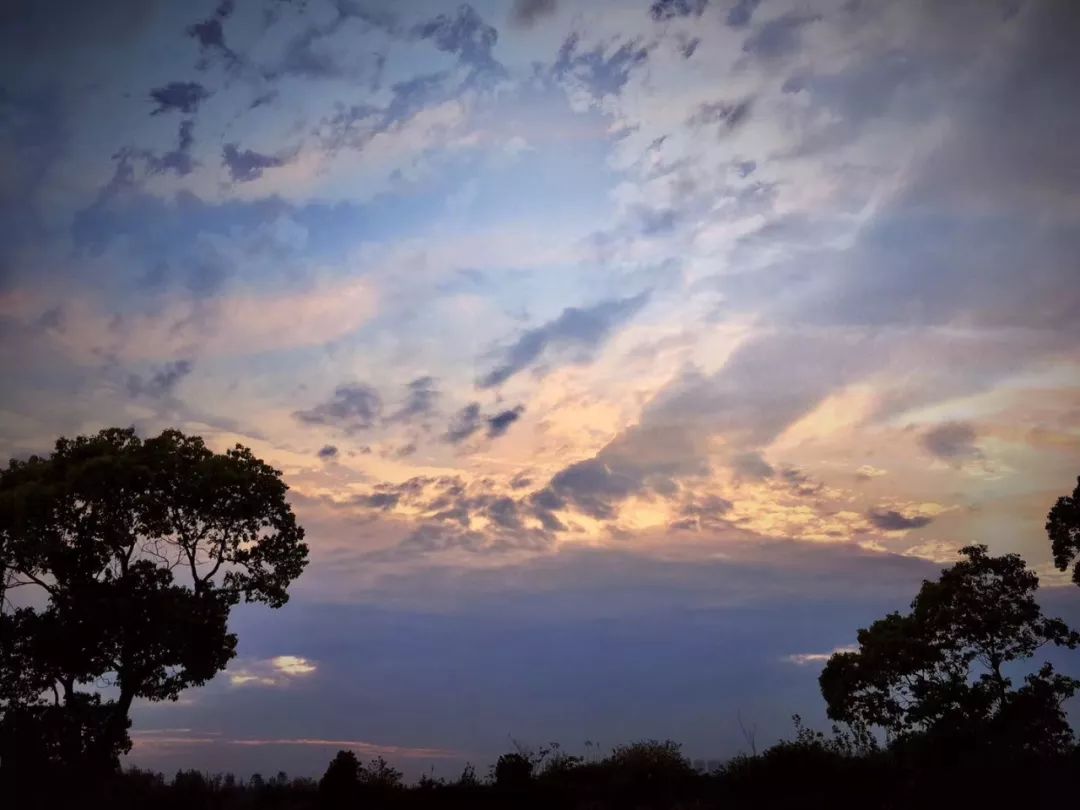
<point x="941" y="670"/>
<point x="1063" y="528"/>
<point x="120" y="560"/>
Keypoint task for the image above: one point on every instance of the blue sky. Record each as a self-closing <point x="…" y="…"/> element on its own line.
<point x="623" y="358"/>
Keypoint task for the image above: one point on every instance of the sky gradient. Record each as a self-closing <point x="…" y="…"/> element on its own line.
<point x="623" y="358"/>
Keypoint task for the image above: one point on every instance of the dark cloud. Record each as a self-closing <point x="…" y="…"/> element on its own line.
<point x="890" y="520"/>
<point x="528" y="12"/>
<point x="405" y="450"/>
<point x="751" y="465"/>
<point x="178" y="160"/>
<point x="133" y="164"/>
<point x="328" y="451"/>
<point x="779" y="37"/>
<point x="728" y="114"/>
<point x="464" y="34"/>
<point x="161" y="383"/>
<point x="184" y="97"/>
<point x="741" y="12"/>
<point x="799" y="482"/>
<point x="499" y="423"/>
<point x="585" y="328"/>
<point x="378" y="500"/>
<point x="703" y="513"/>
<point x="420" y="400"/>
<point x="952" y="442"/>
<point x="248" y="165"/>
<point x="210" y="34"/>
<point x="469" y="420"/>
<point x="646" y="459"/>
<point x="465" y="423"/>
<point x="601" y="72"/>
<point x="353" y="407"/>
<point x="668" y="9"/>
<point x="688" y="45"/>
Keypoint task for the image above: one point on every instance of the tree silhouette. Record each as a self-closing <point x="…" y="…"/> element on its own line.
<point x="132" y="552"/>
<point x="939" y="671"/>
<point x="1063" y="528"/>
<point x="341" y="782"/>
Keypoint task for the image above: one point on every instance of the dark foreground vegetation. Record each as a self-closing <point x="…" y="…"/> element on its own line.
<point x="137" y="551"/>
<point x="810" y="771"/>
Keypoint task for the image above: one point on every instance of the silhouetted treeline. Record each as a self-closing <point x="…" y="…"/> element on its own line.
<point x="810" y="771"/>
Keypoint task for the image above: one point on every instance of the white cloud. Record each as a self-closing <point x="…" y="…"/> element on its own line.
<point x="277" y="671"/>
<point x="803" y="659"/>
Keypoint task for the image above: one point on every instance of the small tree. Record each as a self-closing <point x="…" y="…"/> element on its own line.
<point x="1063" y="528"/>
<point x="940" y="669"/>
<point x="513" y="771"/>
<point x="341" y="782"/>
<point x="137" y="551"/>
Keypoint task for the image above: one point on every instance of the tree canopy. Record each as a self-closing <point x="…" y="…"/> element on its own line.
<point x="121" y="559"/>
<point x="1063" y="528"/>
<point x="941" y="669"/>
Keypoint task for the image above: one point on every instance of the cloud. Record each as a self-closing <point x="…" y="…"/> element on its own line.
<point x="378" y="500"/>
<point x="728" y="114"/>
<point x="890" y="520"/>
<point x="438" y="538"/>
<point x="469" y="420"/>
<point x="585" y="328"/>
<point x="146" y="741"/>
<point x="161" y="383"/>
<point x="703" y="512"/>
<point x="802" y="659"/>
<point x="421" y="399"/>
<point x="740" y="13"/>
<point x="499" y="423"/>
<point x="752" y="466"/>
<point x="465" y="423"/>
<point x="645" y="458"/>
<point x="184" y="97"/>
<point x="668" y="9"/>
<point x="210" y="34"/>
<point x="178" y="160"/>
<point x="353" y="407"/>
<point x="465" y="34"/>
<point x="952" y="441"/>
<point x="327" y="451"/>
<point x="866" y="472"/>
<point x="599" y="71"/>
<point x="248" y="165"/>
<point x="780" y="36"/>
<point x="292" y="665"/>
<point x="277" y="671"/>
<point x="528" y="12"/>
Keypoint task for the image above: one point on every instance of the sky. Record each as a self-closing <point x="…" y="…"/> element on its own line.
<point x="623" y="357"/>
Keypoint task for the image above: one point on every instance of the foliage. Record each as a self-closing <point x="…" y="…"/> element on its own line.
<point x="137" y="551"/>
<point x="1063" y="528"/>
<point x="940" y="669"/>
